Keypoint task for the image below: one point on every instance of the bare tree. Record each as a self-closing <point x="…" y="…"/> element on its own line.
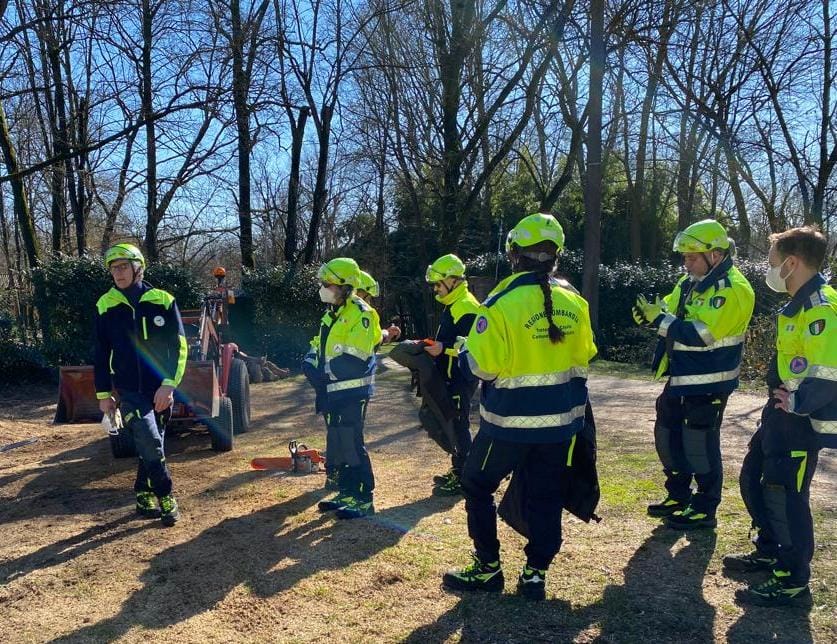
<point x="593" y="183"/>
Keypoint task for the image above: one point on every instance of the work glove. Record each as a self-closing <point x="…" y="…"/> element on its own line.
<point x="650" y="310"/>
<point x="637" y="315"/>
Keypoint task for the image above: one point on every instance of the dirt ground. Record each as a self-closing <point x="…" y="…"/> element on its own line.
<point x="252" y="560"/>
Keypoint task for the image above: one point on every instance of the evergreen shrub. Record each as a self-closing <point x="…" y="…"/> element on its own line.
<point x="285" y="311"/>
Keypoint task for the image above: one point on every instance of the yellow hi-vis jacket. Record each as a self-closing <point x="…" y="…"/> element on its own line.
<point x="806" y="356"/>
<point x="702" y="334"/>
<point x="376" y="323"/>
<point x="342" y="354"/>
<point x="533" y="391"/>
<point x="456" y="321"/>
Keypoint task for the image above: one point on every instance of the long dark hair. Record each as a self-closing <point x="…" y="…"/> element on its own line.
<point x="542" y="270"/>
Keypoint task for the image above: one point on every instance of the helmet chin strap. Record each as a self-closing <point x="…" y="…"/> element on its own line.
<point x="538" y="257"/>
<point x="447" y="288"/>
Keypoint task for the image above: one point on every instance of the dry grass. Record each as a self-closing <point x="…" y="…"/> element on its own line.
<point x="252" y="559"/>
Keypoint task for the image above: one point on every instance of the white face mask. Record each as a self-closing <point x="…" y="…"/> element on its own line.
<point x="327" y="296"/>
<point x="774" y="280"/>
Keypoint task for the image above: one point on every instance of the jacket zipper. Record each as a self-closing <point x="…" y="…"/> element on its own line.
<point x="136" y="353"/>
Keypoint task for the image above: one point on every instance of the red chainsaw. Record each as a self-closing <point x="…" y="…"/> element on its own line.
<point x="302" y="460"/>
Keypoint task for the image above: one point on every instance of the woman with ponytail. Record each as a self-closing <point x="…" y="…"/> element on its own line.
<point x="530" y="346"/>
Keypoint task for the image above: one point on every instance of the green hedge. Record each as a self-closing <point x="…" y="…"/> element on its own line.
<point x="21" y="364"/>
<point x="284" y="311"/>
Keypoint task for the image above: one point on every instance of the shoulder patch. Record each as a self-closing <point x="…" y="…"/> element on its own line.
<point x="816" y="327"/>
<point x="798" y="364"/>
<point x="718" y="301"/>
<point x="481" y="324"/>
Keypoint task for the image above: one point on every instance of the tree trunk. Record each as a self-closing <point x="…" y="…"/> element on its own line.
<point x="638" y="200"/>
<point x="826" y="161"/>
<point x="738" y="196"/>
<point x="4" y="235"/>
<point x="21" y="204"/>
<point x="593" y="184"/>
<point x="241" y="85"/>
<point x="318" y="205"/>
<point x="152" y="224"/>
<point x="297" y="138"/>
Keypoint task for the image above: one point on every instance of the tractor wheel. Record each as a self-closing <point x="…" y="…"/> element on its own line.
<point x="122" y="446"/>
<point x="255" y="371"/>
<point x="221" y="427"/>
<point x="238" y="389"/>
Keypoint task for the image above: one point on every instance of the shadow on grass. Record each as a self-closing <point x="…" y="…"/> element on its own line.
<point x="661" y="600"/>
<point x="60" y="552"/>
<point x="61" y="484"/>
<point x="781" y="624"/>
<point x="69" y="482"/>
<point x="193" y="577"/>
<point x="482" y="617"/>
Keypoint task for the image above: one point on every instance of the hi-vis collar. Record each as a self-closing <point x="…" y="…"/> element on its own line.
<point x="804" y="297"/>
<point x="714" y="276"/>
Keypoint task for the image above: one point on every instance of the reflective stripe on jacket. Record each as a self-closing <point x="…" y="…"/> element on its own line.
<point x="702" y="334"/>
<point x="533" y="391"/>
<point x="806" y="356"/>
<point x="343" y="352"/>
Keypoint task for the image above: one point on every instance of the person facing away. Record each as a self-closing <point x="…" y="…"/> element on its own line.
<point x="340" y="364"/>
<point x="701" y="326"/>
<point x="446" y="276"/>
<point x="530" y="346"/>
<point x="798" y="419"/>
<point x="140" y="357"/>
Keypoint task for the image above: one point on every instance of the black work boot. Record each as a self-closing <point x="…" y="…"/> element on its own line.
<point x="356" y="509"/>
<point x="451" y="487"/>
<point x="340" y="500"/>
<point x="689" y="519"/>
<point x="476" y="576"/>
<point x="749" y="562"/>
<point x="441" y="479"/>
<point x="776" y="591"/>
<point x="147" y="505"/>
<point x="666" y="507"/>
<point x="532" y="583"/>
<point x="169" y="512"/>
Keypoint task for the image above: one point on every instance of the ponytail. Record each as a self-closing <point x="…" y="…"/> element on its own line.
<point x="530" y="259"/>
<point x="556" y="334"/>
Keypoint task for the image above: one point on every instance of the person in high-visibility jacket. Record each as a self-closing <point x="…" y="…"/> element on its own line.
<point x="799" y="419"/>
<point x="530" y="346"/>
<point x="367" y="288"/>
<point x="341" y="366"/>
<point x="450" y="287"/>
<point x="140" y="357"/>
<point x="701" y="325"/>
